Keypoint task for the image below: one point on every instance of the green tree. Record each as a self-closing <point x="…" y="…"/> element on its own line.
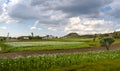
<point x="94" y="37"/>
<point x="32" y="34"/>
<point x="107" y="42"/>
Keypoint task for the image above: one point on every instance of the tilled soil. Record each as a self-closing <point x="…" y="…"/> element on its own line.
<point x="46" y="52"/>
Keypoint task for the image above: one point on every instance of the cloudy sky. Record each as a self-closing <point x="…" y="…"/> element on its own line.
<point x="58" y="17"/>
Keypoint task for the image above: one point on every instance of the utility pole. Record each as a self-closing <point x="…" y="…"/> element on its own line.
<point x="8" y="35"/>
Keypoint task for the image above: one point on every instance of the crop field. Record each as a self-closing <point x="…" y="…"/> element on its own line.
<point x="82" y="61"/>
<point x="53" y="44"/>
<point x="89" y="61"/>
<point x="73" y="39"/>
<point x="49" y="45"/>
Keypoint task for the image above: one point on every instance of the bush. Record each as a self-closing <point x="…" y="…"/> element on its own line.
<point x="107" y="42"/>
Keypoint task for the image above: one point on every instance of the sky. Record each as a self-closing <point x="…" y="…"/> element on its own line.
<point x="58" y="17"/>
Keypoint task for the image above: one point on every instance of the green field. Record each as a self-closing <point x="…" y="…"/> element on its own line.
<point x="89" y="61"/>
<point x="51" y="44"/>
<point x="86" y="61"/>
<point x="48" y="45"/>
<point x="72" y="39"/>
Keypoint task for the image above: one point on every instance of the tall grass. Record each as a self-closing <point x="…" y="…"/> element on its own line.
<point x="4" y="47"/>
<point x="107" y="65"/>
<point x="46" y="62"/>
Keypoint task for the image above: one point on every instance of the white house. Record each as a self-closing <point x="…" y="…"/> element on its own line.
<point x="48" y="37"/>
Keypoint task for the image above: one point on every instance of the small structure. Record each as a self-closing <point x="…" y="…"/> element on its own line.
<point x="24" y="37"/>
<point x="48" y="37"/>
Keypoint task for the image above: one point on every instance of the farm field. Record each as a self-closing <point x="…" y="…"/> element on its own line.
<point x="78" y="61"/>
<point x="53" y="44"/>
<point x="59" y="35"/>
<point x="48" y="45"/>
<point x="88" y="61"/>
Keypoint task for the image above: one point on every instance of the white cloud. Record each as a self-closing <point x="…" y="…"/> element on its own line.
<point x="3" y="28"/>
<point x="1" y="5"/>
<point x="34" y="25"/>
<point x="52" y="28"/>
<point x="36" y="22"/>
<point x="7" y="19"/>
<point x="52" y="10"/>
<point x="33" y="28"/>
<point x="59" y="15"/>
<point x="4" y="16"/>
<point x="115" y="9"/>
<point x="88" y="26"/>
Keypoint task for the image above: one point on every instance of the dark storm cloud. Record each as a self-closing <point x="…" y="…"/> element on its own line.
<point x="115" y="9"/>
<point x="35" y="8"/>
<point x="82" y="7"/>
<point x="115" y="13"/>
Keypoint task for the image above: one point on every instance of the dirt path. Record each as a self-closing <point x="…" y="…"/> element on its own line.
<point x="46" y="52"/>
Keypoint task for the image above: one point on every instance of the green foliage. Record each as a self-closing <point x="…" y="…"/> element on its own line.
<point x="4" y="47"/>
<point x="106" y="42"/>
<point x="116" y="34"/>
<point x="35" y="37"/>
<point x="48" y="45"/>
<point x="48" y="62"/>
<point x="72" y="39"/>
<point x="107" y="65"/>
<point x="94" y="38"/>
<point x="3" y="39"/>
<point x="32" y="34"/>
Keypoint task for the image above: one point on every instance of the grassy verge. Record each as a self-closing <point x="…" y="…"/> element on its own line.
<point x="117" y="41"/>
<point x="107" y="65"/>
<point x="4" y="47"/>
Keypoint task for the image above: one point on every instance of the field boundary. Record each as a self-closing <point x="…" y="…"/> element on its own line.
<point x="60" y="51"/>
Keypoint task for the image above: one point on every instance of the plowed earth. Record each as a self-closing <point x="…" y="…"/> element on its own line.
<point x="46" y="52"/>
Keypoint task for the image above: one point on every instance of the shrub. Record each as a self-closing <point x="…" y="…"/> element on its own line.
<point x="107" y="42"/>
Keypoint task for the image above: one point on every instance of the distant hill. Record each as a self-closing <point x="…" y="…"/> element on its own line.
<point x="115" y="34"/>
<point x="72" y="35"/>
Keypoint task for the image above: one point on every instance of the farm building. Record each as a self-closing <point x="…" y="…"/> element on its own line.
<point x="48" y="37"/>
<point x="24" y="37"/>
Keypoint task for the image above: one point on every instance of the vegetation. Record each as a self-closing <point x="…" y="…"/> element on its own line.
<point x="107" y="65"/>
<point x="32" y="34"/>
<point x="35" y="37"/>
<point x="94" y="38"/>
<point x="2" y="39"/>
<point x="48" y="45"/>
<point x="116" y="34"/>
<point x="106" y="42"/>
<point x="53" y="44"/>
<point x="4" y="47"/>
<point x="90" y="61"/>
<point x="87" y="61"/>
